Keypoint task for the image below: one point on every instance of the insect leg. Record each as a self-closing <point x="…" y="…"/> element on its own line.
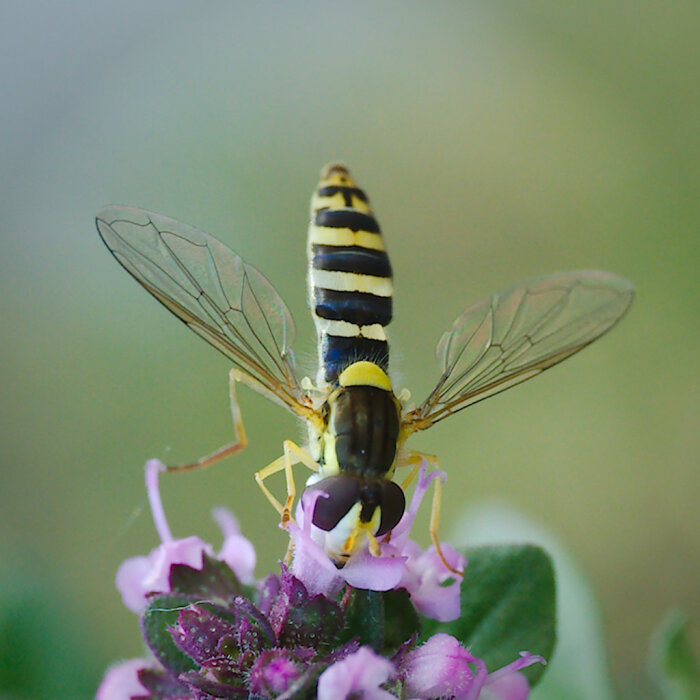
<point x="409" y="479"/>
<point x="434" y="521"/>
<point x="233" y="447"/>
<point x="293" y="454"/>
<point x="416" y="458"/>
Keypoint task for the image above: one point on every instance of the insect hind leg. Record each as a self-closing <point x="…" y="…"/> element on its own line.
<point x="238" y="445"/>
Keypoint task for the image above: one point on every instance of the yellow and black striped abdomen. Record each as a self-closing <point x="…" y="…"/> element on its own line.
<point x="349" y="276"/>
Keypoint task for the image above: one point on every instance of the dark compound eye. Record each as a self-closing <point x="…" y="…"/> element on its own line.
<point x="393" y="506"/>
<point x="343" y="492"/>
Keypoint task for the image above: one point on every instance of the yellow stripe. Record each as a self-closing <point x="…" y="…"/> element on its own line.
<point x="337" y="201"/>
<point x="326" y="235"/>
<point x="330" y="464"/>
<point x="365" y="373"/>
<point x="338" y="328"/>
<point x="351" y="282"/>
<point x="374" y="332"/>
<point x="350" y="330"/>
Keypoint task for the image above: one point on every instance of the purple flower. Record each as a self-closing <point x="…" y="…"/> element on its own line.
<point x="237" y="551"/>
<point x="512" y="686"/>
<point x="401" y="563"/>
<point x="301" y="630"/>
<point x="433" y="588"/>
<point x="320" y="575"/>
<point x="121" y="681"/>
<point x="274" y="671"/>
<point x="141" y="575"/>
<point x="358" y="675"/>
<point x="442" y="667"/>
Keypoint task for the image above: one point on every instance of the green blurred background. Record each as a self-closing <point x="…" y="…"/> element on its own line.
<point x="498" y="141"/>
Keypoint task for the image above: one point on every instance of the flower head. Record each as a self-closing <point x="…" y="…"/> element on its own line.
<point x="139" y="576"/>
<point x="401" y="563"/>
<point x="275" y="670"/>
<point x="314" y="630"/>
<point x="312" y="565"/>
<point x="358" y="675"/>
<point x="433" y="588"/>
<point x="442" y="667"/>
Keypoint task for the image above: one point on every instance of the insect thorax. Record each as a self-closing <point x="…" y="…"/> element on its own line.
<point x="362" y="431"/>
<point x="361" y="428"/>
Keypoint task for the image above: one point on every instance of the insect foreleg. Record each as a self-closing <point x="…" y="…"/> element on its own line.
<point x="293" y="454"/>
<point x="233" y="447"/>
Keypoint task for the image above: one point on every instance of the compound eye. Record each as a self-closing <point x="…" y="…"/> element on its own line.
<point x="343" y="492"/>
<point x="393" y="507"/>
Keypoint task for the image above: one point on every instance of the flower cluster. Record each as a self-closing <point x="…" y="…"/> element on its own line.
<point x="313" y="631"/>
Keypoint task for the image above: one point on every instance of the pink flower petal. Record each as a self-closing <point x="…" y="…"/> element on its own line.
<point x="140" y="576"/>
<point x="375" y="573"/>
<point x="402" y="530"/>
<point x="129" y="580"/>
<point x="442" y="667"/>
<point x="357" y="675"/>
<point x="425" y="579"/>
<point x="513" y="686"/>
<point x="121" y="681"/>
<point x="311" y="564"/>
<point x="237" y="551"/>
<point x="526" y="659"/>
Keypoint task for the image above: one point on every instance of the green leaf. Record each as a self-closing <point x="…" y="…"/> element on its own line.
<point x="162" y="613"/>
<point x="401" y="619"/>
<point x="311" y="621"/>
<point x="673" y="665"/>
<point x="364" y="618"/>
<point x="507" y="606"/>
<point x="215" y="581"/>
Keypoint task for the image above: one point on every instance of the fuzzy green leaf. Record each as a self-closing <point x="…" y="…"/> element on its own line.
<point x="215" y="581"/>
<point x="162" y="613"/>
<point x="508" y="606"/>
<point x="673" y="664"/>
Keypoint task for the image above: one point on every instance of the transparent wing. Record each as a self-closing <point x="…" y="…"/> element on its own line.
<point x="205" y="284"/>
<point x="514" y="335"/>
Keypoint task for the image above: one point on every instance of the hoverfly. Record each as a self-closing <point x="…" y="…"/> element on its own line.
<point x="357" y="425"/>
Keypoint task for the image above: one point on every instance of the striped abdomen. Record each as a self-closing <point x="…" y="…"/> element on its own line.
<point x="349" y="276"/>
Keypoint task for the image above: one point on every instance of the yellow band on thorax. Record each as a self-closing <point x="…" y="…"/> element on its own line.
<point x="365" y="373"/>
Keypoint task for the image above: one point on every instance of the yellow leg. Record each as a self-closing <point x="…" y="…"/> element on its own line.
<point x="409" y="479"/>
<point x="416" y="458"/>
<point x="233" y="447"/>
<point x="293" y="454"/>
<point x="412" y="458"/>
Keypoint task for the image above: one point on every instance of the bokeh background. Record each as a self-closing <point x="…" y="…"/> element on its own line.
<point x="498" y="141"/>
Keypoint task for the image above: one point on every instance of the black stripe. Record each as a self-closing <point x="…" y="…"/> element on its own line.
<point x="346" y="218"/>
<point x="339" y="352"/>
<point x="347" y="192"/>
<point x="363" y="261"/>
<point x="359" y="308"/>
